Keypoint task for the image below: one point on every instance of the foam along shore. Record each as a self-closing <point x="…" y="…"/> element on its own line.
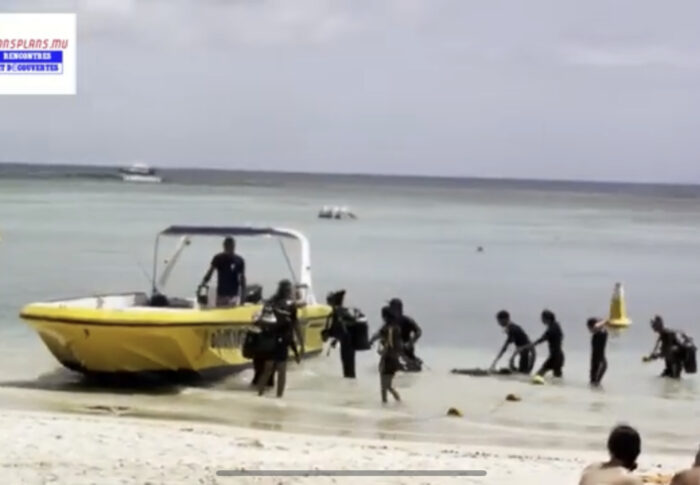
<point x="41" y="447"/>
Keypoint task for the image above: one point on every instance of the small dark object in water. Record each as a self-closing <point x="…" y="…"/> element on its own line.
<point x="513" y="398"/>
<point x="476" y="372"/>
<point x="480" y="249"/>
<point x="454" y="412"/>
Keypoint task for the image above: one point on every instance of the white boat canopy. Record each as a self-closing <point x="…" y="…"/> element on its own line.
<point x="302" y="277"/>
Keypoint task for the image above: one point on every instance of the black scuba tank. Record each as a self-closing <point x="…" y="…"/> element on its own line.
<point x="690" y="364"/>
<point x="359" y="330"/>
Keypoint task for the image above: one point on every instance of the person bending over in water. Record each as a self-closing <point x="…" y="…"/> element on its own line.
<point x="516" y="336"/>
<point x="671" y="345"/>
<point x="410" y="333"/>
<point x="624" y="445"/>
<point x="599" y="340"/>
<point x="691" y="476"/>
<point x="391" y="350"/>
<point x="554" y="338"/>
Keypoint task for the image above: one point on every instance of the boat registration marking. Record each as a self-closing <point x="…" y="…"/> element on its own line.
<point x="227" y="338"/>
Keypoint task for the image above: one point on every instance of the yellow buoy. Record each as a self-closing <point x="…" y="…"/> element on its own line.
<point x="539" y="380"/>
<point x="618" y="310"/>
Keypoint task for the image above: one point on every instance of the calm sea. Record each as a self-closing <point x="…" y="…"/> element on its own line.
<point x="557" y="246"/>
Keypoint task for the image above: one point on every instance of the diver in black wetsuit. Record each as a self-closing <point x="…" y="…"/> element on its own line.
<point x="599" y="340"/>
<point x="337" y="329"/>
<point x="410" y="333"/>
<point x="517" y="336"/>
<point x="672" y="345"/>
<point x="554" y="338"/>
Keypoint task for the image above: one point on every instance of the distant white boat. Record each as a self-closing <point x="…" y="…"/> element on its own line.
<point x="336" y="212"/>
<point x="140" y="172"/>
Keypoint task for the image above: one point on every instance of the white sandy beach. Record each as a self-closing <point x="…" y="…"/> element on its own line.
<point x="40" y="447"/>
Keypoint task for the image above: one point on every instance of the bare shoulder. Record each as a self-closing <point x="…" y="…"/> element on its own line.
<point x="687" y="477"/>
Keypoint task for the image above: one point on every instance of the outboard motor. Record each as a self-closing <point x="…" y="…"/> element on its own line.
<point x="253" y="294"/>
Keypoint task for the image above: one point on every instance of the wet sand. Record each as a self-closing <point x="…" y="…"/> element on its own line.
<point x="43" y="447"/>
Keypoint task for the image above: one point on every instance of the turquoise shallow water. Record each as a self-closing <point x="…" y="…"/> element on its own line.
<point x="563" y="250"/>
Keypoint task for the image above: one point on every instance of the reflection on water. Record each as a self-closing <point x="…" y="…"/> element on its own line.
<point x="568" y="414"/>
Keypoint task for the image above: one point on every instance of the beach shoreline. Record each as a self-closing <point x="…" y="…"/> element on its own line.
<point x="42" y="447"/>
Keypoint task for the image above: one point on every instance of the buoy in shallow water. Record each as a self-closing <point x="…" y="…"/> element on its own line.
<point x="454" y="412"/>
<point x="618" y="310"/>
<point x="538" y="380"/>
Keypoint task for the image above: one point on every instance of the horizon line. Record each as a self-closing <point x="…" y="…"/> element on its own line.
<point x="365" y="174"/>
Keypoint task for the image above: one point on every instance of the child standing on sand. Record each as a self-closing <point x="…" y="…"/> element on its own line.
<point x="390" y="340"/>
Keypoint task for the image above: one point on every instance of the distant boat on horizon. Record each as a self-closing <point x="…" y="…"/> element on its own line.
<point x="140" y="172"/>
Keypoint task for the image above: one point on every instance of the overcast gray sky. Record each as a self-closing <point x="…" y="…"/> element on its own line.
<point x="605" y="90"/>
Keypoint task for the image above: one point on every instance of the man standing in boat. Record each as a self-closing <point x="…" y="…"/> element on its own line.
<point x="230" y="271"/>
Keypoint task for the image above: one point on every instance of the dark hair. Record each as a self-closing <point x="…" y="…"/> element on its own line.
<point x="625" y="444"/>
<point x="548" y="316"/>
<point x="657" y="320"/>
<point x="502" y="315"/>
<point x="387" y="314"/>
<point x="229" y="241"/>
<point x="591" y="322"/>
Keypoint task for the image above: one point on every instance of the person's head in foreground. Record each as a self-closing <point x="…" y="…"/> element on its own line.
<point x="503" y="318"/>
<point x="624" y="446"/>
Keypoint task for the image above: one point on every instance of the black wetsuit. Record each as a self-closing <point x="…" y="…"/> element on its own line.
<point x="277" y="335"/>
<point x="599" y="364"/>
<point x="338" y="329"/>
<point x="409" y="328"/>
<point x="518" y="337"/>
<point x="673" y="353"/>
<point x="555" y="362"/>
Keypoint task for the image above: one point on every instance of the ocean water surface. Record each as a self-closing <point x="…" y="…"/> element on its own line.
<point x="557" y="249"/>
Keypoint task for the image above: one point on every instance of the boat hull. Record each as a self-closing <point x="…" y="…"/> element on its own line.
<point x="149" y="179"/>
<point x="183" y="343"/>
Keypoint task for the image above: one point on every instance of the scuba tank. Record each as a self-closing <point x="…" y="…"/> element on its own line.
<point x="358" y="330"/>
<point x="690" y="364"/>
<point x="261" y="341"/>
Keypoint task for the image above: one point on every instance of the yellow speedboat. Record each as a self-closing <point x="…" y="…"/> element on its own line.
<point x="171" y="337"/>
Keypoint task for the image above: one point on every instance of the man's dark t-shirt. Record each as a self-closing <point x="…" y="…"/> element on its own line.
<point x="229" y="269"/>
<point x="516" y="335"/>
<point x="554" y="337"/>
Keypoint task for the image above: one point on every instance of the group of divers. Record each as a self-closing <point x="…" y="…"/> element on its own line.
<point x="278" y="330"/>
